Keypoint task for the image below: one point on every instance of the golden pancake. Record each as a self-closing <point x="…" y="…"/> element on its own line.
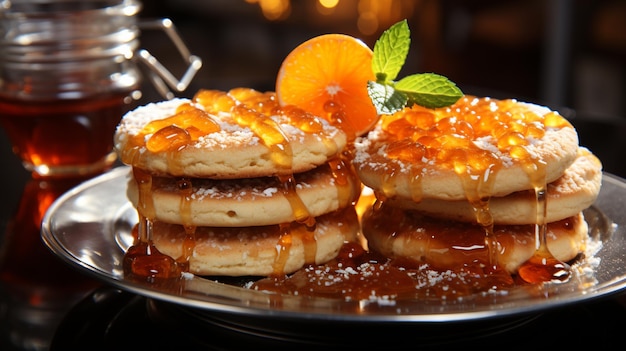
<point x="227" y="148"/>
<point x="408" y="234"/>
<point x="476" y="148"/>
<point x="573" y="192"/>
<point x="254" y="250"/>
<point x="244" y="202"/>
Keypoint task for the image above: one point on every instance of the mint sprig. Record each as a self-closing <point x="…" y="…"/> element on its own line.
<point x="429" y="90"/>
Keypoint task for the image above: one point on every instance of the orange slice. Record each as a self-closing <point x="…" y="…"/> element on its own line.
<point x="327" y="76"/>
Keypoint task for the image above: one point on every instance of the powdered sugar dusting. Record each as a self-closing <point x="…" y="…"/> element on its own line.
<point x="230" y="133"/>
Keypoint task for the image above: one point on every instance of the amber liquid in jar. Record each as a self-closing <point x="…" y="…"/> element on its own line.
<point x="64" y="137"/>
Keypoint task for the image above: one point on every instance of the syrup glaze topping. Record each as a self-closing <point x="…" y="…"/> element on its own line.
<point x="212" y="117"/>
<point x="194" y="121"/>
<point x="475" y="138"/>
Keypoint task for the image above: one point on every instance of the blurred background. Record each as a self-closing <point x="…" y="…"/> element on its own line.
<point x="567" y="54"/>
<point x="562" y="53"/>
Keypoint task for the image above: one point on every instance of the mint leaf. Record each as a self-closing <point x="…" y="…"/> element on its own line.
<point x="386" y="99"/>
<point x="390" y="52"/>
<point x="429" y="90"/>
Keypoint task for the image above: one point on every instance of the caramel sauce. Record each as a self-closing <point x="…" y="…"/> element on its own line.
<point x="247" y="108"/>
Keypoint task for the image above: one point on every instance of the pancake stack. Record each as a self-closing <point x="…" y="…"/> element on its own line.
<point x="476" y="180"/>
<point x="231" y="183"/>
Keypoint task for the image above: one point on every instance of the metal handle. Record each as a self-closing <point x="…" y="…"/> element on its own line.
<point x="159" y="75"/>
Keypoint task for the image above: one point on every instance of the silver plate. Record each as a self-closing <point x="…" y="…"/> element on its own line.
<point x="89" y="227"/>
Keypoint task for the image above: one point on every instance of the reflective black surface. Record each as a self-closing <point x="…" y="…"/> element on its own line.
<point x="36" y="288"/>
<point x="111" y="319"/>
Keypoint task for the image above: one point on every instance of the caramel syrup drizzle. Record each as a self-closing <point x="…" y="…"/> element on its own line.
<point x="248" y="108"/>
<point x="447" y="138"/>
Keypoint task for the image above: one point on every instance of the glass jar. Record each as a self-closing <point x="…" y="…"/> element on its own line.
<point x="66" y="78"/>
<point x="68" y="72"/>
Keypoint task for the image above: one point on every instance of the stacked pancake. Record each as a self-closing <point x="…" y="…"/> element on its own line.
<point x="450" y="181"/>
<point x="231" y="183"/>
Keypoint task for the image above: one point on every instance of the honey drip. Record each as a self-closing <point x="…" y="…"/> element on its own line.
<point x="185" y="188"/>
<point x="284" y="245"/>
<point x="143" y="261"/>
<point x="336" y="116"/>
<point x="342" y="173"/>
<point x="543" y="266"/>
<point x="300" y="212"/>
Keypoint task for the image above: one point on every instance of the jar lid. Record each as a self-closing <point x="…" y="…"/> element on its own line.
<point x="74" y="42"/>
<point x="50" y="31"/>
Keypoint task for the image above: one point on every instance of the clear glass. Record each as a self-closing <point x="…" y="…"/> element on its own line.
<point x="66" y="78"/>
